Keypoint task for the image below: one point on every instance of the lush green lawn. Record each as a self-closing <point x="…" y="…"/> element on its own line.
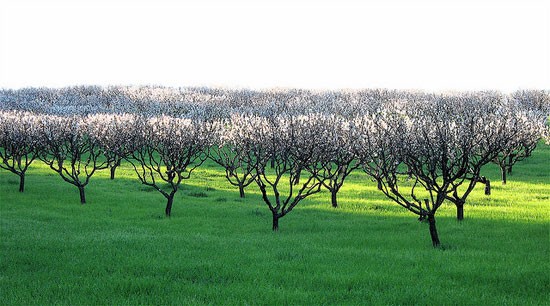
<point x="219" y="249"/>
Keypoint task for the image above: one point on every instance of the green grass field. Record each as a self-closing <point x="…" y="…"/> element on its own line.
<point x="219" y="249"/>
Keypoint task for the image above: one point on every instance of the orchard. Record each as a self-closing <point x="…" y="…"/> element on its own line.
<point x="422" y="149"/>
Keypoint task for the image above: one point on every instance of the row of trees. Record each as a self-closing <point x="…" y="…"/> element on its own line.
<point x="201" y="102"/>
<point x="421" y="153"/>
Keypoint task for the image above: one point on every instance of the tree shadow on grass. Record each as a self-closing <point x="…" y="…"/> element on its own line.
<point x="312" y="215"/>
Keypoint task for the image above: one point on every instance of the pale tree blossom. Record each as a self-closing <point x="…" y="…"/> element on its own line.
<point x="164" y="151"/>
<point x="71" y="149"/>
<point x="19" y="142"/>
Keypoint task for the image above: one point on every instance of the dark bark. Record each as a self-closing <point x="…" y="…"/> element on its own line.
<point x="487" y="184"/>
<point x="168" y="209"/>
<point x="487" y="187"/>
<point x="275" y="222"/>
<point x="459" y="211"/>
<point x="433" y="230"/>
<point x="297" y="177"/>
<point x="379" y="185"/>
<point x="82" y="195"/>
<point x="241" y="190"/>
<point x="503" y="173"/>
<point x="22" y="182"/>
<point x="113" y="169"/>
<point x="422" y="217"/>
<point x="510" y="162"/>
<point x="333" y="198"/>
<point x="272" y="163"/>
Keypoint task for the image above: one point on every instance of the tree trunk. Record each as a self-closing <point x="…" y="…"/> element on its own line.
<point x="333" y="198"/>
<point x="275" y="222"/>
<point x="297" y="177"/>
<point x="241" y="190"/>
<point x="113" y="169"/>
<point x="82" y="195"/>
<point x="168" y="209"/>
<point x="379" y="185"/>
<point x="487" y="187"/>
<point x="503" y="173"/>
<point x="22" y="182"/>
<point x="433" y="231"/>
<point x="272" y="163"/>
<point x="510" y="159"/>
<point x="459" y="211"/>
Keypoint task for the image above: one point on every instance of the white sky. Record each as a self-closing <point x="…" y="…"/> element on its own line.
<point x="431" y="45"/>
